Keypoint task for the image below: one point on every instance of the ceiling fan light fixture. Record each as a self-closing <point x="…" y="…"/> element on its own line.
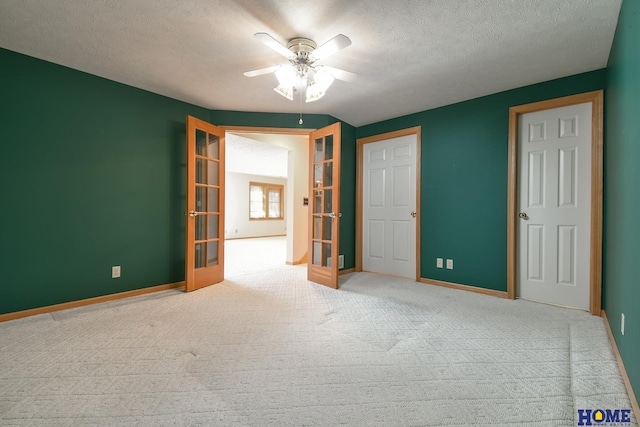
<point x="286" y="75"/>
<point x="302" y="73"/>
<point x="323" y="78"/>
<point x="314" y="93"/>
<point x="286" y="91"/>
<point x="319" y="84"/>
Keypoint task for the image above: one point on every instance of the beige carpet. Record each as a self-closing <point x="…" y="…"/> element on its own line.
<point x="246" y="256"/>
<point x="270" y="348"/>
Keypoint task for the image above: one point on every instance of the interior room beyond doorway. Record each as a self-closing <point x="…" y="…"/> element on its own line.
<point x="277" y="162"/>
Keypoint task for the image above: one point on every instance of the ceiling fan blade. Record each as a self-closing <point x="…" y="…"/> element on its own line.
<point x="274" y="44"/>
<point x="261" y="71"/>
<point x="339" y="74"/>
<point x="337" y="43"/>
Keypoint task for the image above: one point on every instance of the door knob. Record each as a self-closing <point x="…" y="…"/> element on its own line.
<point x="523" y="215"/>
<point x="193" y="214"/>
<point x="333" y="215"/>
<point x="413" y="214"/>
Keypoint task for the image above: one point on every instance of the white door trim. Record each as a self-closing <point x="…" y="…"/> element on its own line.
<point x="359" y="188"/>
<point x="596" y="100"/>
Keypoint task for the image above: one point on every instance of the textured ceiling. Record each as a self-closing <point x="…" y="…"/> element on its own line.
<point x="409" y="55"/>
<point x="247" y="153"/>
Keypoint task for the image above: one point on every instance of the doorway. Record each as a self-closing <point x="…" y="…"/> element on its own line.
<point x="555" y="202"/>
<point x="269" y="167"/>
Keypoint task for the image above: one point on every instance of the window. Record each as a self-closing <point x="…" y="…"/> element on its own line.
<point x="265" y="201"/>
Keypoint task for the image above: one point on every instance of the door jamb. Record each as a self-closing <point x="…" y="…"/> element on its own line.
<point x="267" y="130"/>
<point x="596" y="100"/>
<point x="417" y="131"/>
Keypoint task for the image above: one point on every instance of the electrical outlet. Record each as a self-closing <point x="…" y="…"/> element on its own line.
<point x="622" y="323"/>
<point x="115" y="271"/>
<point x="439" y="263"/>
<point x="449" y="264"/>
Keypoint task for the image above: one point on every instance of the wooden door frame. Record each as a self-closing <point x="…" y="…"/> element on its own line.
<point x="417" y="131"/>
<point x="595" y="274"/>
<point x="268" y="130"/>
<point x="276" y="131"/>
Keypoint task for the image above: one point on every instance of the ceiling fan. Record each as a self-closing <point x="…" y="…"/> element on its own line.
<point x="303" y="70"/>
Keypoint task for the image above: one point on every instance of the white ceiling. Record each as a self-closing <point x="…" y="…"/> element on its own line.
<point x="410" y="55"/>
<point x="252" y="154"/>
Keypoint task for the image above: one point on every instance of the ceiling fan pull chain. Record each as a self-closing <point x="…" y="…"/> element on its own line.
<point x="300" y="121"/>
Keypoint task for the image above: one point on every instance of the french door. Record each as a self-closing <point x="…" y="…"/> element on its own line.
<point x="324" y="209"/>
<point x="205" y="205"/>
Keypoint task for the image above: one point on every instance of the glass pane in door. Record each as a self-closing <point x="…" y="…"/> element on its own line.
<point x="201" y="197"/>
<point x="201" y="142"/>
<point x="213" y="226"/>
<point x="321" y="254"/>
<point x="318" y="150"/>
<point x="317" y="227"/>
<point x="328" y="147"/>
<point x="201" y="224"/>
<point x="328" y="222"/>
<point x="317" y="175"/>
<point x="207" y="199"/>
<point x="328" y="174"/>
<point x="200" y="259"/>
<point x="317" y="253"/>
<point x="213" y="202"/>
<point x="326" y="254"/>
<point x="317" y="203"/>
<point x="213" y="151"/>
<point x="213" y="172"/>
<point x="328" y="201"/>
<point x="201" y="171"/>
<point x="212" y="253"/>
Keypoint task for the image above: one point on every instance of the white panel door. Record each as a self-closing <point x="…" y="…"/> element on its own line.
<point x="389" y="207"/>
<point x="554" y="202"/>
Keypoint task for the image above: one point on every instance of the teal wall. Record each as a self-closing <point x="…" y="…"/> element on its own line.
<point x="622" y="189"/>
<point x="348" y="195"/>
<point x="91" y="175"/>
<point x="464" y="179"/>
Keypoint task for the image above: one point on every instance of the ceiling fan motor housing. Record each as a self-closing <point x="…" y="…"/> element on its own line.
<point x="302" y="48"/>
